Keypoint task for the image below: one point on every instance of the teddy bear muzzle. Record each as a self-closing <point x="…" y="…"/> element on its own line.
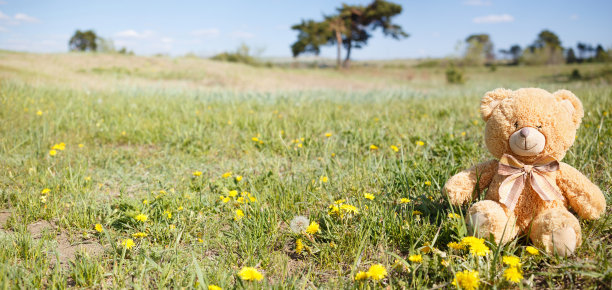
<point x="527" y="141"/>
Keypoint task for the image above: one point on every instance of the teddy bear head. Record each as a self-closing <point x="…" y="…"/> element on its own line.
<point x="530" y="123"/>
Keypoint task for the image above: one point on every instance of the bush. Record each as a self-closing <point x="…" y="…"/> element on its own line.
<point x="241" y="55"/>
<point x="454" y="75"/>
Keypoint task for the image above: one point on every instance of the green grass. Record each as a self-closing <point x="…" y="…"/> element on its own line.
<point x="142" y="144"/>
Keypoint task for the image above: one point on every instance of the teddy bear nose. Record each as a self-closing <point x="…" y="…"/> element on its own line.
<point x="524" y="132"/>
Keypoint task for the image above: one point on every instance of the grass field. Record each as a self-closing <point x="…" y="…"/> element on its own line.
<point x="180" y="172"/>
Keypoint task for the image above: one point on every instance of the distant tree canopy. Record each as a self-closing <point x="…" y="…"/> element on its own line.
<point x="83" y="41"/>
<point x="514" y="52"/>
<point x="349" y="28"/>
<point x="546" y="49"/>
<point x="479" y="49"/>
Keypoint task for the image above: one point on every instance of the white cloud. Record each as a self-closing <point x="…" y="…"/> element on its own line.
<point x="3" y="29"/>
<point x="477" y="3"/>
<point x="494" y="18"/>
<point x="17" y="19"/>
<point x="574" y="17"/>
<point x="167" y="40"/>
<point x="130" y="33"/>
<point x="25" y="18"/>
<point x="3" y="2"/>
<point x="206" y="32"/>
<point x="242" y="34"/>
<point x="4" y="16"/>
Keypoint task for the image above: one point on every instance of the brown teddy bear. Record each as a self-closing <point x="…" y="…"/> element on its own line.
<point x="529" y="131"/>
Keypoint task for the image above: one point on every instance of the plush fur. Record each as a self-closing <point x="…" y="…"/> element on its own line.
<point x="549" y="224"/>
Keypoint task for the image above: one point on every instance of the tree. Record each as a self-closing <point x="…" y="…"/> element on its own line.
<point x="83" y="41"/>
<point x="350" y="28"/>
<point x="479" y="49"/>
<point x="600" y="54"/>
<point x="514" y="52"/>
<point x="546" y="49"/>
<point x="571" y="56"/>
<point x="582" y="48"/>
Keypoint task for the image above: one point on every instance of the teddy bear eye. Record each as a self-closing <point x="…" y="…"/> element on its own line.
<point x="516" y="125"/>
<point x="539" y="127"/>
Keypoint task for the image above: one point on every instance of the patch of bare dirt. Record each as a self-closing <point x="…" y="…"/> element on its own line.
<point x="4" y="216"/>
<point x="67" y="249"/>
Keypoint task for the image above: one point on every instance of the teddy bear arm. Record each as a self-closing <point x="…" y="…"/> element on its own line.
<point x="584" y="197"/>
<point x="461" y="186"/>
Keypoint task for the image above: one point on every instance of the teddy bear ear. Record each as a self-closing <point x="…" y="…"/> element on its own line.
<point x="571" y="104"/>
<point x="491" y="100"/>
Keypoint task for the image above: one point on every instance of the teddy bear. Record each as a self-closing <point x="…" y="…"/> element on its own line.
<point x="529" y="189"/>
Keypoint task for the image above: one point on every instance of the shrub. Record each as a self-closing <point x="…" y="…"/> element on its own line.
<point x="454" y="75"/>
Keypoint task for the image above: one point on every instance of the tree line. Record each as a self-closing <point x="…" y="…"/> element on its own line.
<point x="88" y="40"/>
<point x="546" y="49"/>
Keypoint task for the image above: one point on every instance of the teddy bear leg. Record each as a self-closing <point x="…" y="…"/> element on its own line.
<point x="556" y="230"/>
<point x="488" y="217"/>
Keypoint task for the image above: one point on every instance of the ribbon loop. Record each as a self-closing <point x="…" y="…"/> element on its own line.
<point x="518" y="173"/>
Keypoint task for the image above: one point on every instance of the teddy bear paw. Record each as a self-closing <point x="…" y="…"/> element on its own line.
<point x="476" y="224"/>
<point x="564" y="241"/>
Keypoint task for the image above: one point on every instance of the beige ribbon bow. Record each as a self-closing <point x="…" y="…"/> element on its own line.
<point x="512" y="187"/>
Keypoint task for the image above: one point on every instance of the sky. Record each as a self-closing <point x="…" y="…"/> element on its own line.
<point x="209" y="27"/>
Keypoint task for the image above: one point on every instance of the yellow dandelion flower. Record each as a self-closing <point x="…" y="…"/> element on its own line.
<point x="168" y="214"/>
<point x="453" y="216"/>
<point x="239" y="215"/>
<point x="416" y="212"/>
<point x="226" y="174"/>
<point x="141" y="218"/>
<point x="139" y="235"/>
<point x="444" y="263"/>
<point x="377" y="272"/>
<point x="394" y="148"/>
<point x="340" y="201"/>
<point x="87" y="178"/>
<point x="313" y="228"/>
<point x="197" y="173"/>
<point x="373" y="147"/>
<point x="420" y="143"/>
<point x="238" y="178"/>
<point x="145" y="202"/>
<point x="513" y="275"/>
<point x="334" y="210"/>
<point x="511" y="261"/>
<point x="200" y="241"/>
<point x="428" y="183"/>
<point x="532" y="251"/>
<point x="299" y="246"/>
<point x="323" y="179"/>
<point x="349" y="209"/>
<point x="404" y="200"/>
<point x="171" y="227"/>
<point x="333" y="155"/>
<point x="463" y="133"/>
<point x="455" y="246"/>
<point x="233" y="193"/>
<point x="368" y="196"/>
<point x="250" y="274"/>
<point x="45" y="191"/>
<point x="415" y="258"/>
<point x="468" y="279"/>
<point x="81" y="145"/>
<point x="479" y="249"/>
<point x="255" y="139"/>
<point x="361" y="275"/>
<point x="52" y="152"/>
<point x="226" y="199"/>
<point x="328" y="134"/>
<point x="39" y="113"/>
<point x="127" y="244"/>
<point x="99" y="228"/>
<point x="214" y="287"/>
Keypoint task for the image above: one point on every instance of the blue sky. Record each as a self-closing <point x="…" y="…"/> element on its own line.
<point x="208" y="27"/>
